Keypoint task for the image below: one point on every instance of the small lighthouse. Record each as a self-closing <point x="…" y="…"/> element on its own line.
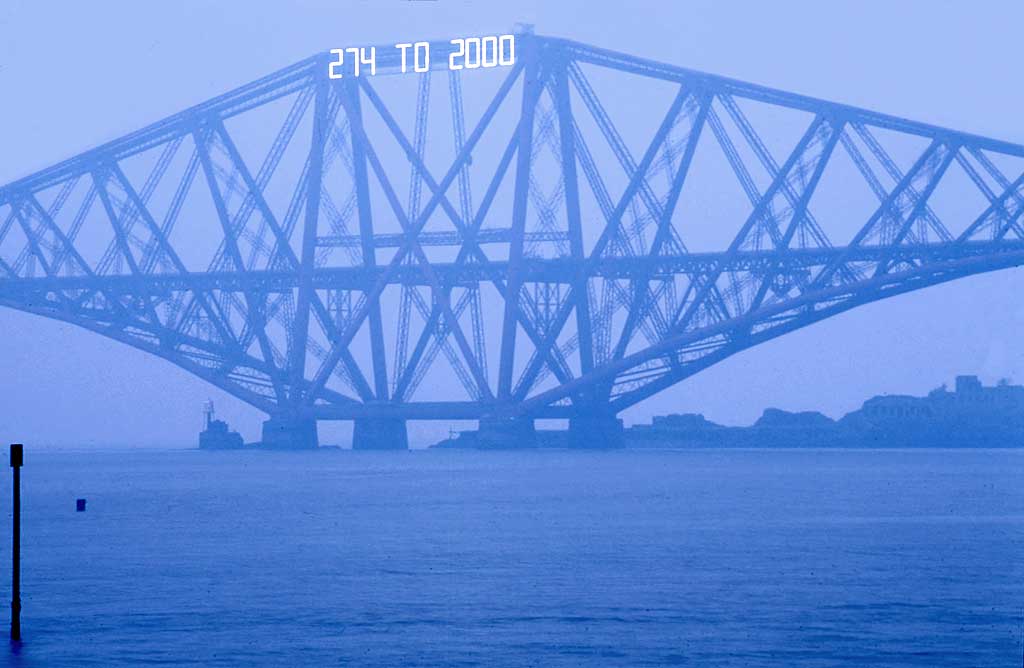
<point x="215" y="434"/>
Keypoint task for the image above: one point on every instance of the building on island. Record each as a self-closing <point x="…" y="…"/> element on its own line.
<point x="970" y="415"/>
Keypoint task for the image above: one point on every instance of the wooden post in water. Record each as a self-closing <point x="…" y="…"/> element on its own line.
<point x="16" y="460"/>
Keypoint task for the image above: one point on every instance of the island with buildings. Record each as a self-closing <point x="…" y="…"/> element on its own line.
<point x="971" y="415"/>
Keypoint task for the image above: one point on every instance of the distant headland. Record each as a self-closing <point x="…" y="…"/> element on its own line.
<point x="971" y="415"/>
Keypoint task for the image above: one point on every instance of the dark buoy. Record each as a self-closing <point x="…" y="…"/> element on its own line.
<point x="80" y="505"/>
<point x="16" y="461"/>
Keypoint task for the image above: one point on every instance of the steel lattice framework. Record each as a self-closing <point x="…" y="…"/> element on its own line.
<point x="320" y="250"/>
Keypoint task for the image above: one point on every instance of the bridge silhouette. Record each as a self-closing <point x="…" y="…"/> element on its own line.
<point x="580" y="231"/>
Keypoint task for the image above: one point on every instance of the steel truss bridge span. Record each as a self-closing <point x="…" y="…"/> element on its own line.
<point x="561" y="238"/>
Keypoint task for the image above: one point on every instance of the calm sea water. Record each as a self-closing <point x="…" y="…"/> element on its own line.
<point x="648" y="558"/>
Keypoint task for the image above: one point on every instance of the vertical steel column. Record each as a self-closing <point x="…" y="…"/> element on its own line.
<point x="531" y="92"/>
<point x="307" y="260"/>
<point x="355" y="119"/>
<point x="567" y="135"/>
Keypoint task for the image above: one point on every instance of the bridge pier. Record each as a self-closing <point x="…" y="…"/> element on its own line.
<point x="284" y="433"/>
<point x="380" y="434"/>
<point x="596" y="431"/>
<point x="506" y="433"/>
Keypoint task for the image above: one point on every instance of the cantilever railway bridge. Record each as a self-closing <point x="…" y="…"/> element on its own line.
<point x="560" y="238"/>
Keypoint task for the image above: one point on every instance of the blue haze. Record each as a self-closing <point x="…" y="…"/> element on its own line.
<point x="714" y="558"/>
<point x="76" y="75"/>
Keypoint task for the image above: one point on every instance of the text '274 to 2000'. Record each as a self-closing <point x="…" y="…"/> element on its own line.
<point x="465" y="53"/>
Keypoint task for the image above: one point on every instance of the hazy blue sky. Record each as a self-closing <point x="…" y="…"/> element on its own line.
<point x="76" y="74"/>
